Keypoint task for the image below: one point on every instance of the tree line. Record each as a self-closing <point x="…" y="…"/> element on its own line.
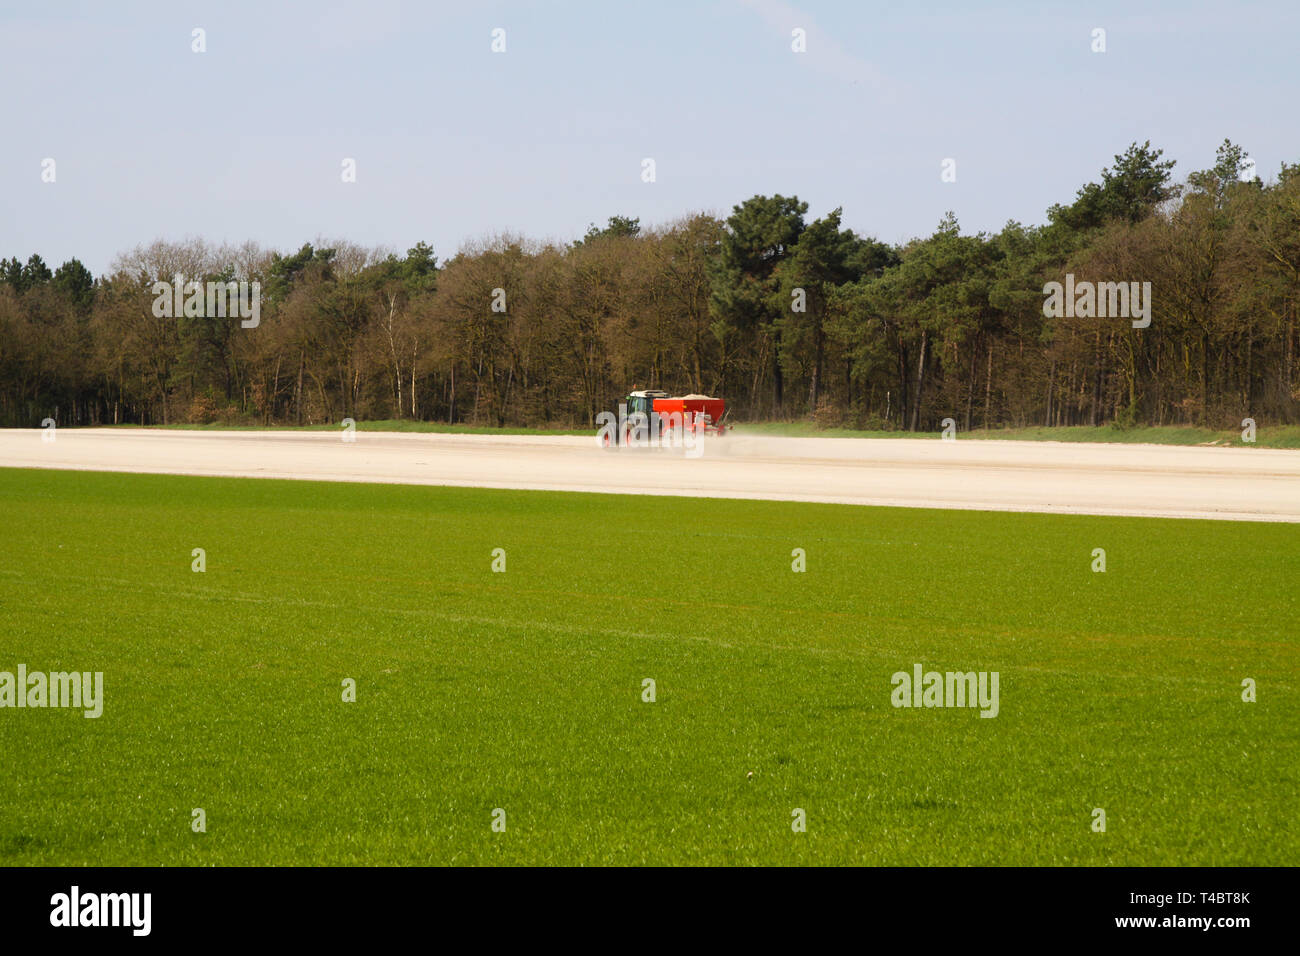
<point x="785" y="318"/>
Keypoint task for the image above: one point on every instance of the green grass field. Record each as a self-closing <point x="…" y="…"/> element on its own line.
<point x="380" y="425"/>
<point x="1268" y="436"/>
<point x="523" y="690"/>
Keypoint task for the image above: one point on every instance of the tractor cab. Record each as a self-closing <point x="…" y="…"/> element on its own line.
<point x="643" y="402"/>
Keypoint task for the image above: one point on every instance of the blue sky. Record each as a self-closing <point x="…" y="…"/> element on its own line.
<point x="454" y="142"/>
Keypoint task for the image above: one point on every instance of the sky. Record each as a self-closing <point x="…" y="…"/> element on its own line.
<point x="454" y="142"/>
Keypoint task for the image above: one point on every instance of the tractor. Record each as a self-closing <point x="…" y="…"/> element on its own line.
<point x="653" y="418"/>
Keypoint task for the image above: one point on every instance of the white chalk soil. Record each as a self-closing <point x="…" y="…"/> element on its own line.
<point x="1073" y="478"/>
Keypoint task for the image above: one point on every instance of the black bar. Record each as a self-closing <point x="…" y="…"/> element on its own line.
<point x="745" y="906"/>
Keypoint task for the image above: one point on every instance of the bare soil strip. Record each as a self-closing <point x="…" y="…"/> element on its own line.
<point x="1155" y="480"/>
